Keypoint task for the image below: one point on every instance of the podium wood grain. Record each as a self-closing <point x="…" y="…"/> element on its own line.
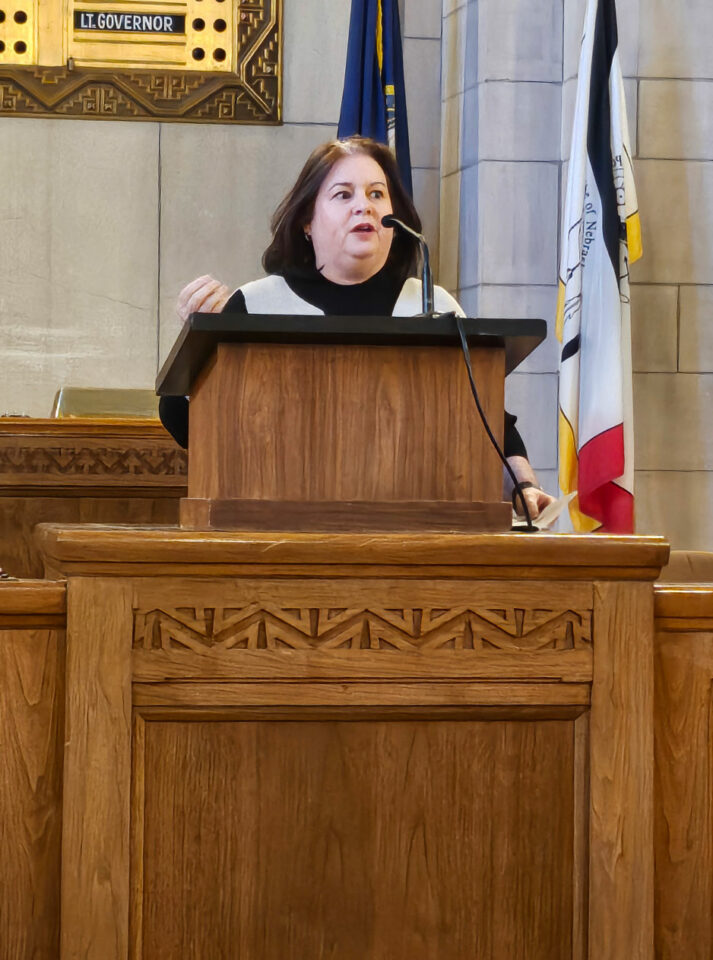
<point x="207" y="738"/>
<point x="332" y="423"/>
<point x="621" y="774"/>
<point x="97" y="772"/>
<point x="82" y="471"/>
<point x="32" y="616"/>
<point x="338" y="844"/>
<point x="356" y="745"/>
<point x="684" y="772"/>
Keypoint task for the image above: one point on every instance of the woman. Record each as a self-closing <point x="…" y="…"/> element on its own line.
<point x="331" y="254"/>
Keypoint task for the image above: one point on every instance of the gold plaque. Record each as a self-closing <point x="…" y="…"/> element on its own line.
<point x="198" y="60"/>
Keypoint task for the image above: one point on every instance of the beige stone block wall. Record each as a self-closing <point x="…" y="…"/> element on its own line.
<point x="508" y="88"/>
<point x="518" y="121"/>
<point x="672" y="290"/>
<point x="500" y="165"/>
<point x="532" y="398"/>
<point x="676" y="119"/>
<point x="674" y="38"/>
<point x="666" y="61"/>
<point x="103" y="223"/>
<point x="78" y="241"/>
<point x="676" y="504"/>
<point x="673" y="416"/>
<point x="654" y="328"/>
<point x="695" y="339"/>
<point x="676" y="203"/>
<point x="421" y="26"/>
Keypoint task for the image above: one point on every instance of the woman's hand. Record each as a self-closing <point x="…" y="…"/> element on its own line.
<point x="535" y="498"/>
<point x="202" y="295"/>
<point x="536" y="501"/>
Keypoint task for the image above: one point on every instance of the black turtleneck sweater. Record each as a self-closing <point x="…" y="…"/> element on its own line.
<point x="375" y="297"/>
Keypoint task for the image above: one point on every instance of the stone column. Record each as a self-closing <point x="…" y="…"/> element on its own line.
<point x="501" y="89"/>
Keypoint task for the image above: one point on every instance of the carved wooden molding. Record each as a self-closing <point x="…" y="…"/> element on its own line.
<point x="265" y="627"/>
<point x="250" y="95"/>
<point x="69" y="461"/>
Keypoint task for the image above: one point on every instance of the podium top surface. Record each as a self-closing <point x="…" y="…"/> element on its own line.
<point x="202" y="332"/>
<point x="123" y="550"/>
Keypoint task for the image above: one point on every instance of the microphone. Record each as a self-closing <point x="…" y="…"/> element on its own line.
<point x="426" y="276"/>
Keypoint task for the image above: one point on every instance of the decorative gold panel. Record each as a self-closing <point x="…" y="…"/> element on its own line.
<point x="208" y="61"/>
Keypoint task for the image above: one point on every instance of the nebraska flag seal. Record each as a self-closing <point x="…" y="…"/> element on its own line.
<point x="601" y="235"/>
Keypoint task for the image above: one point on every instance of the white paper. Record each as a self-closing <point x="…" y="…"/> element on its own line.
<point x="548" y="516"/>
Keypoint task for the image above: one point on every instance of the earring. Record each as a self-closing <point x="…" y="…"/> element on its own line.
<point x="308" y="237"/>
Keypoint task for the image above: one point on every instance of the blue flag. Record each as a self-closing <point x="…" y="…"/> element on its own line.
<point x="374" y="98"/>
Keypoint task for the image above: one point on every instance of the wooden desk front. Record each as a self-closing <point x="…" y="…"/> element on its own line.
<point x="356" y="746"/>
<point x="82" y="471"/>
<point x="32" y="677"/>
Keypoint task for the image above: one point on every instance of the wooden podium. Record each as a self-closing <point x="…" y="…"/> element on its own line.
<point x="384" y="746"/>
<point x="350" y="745"/>
<point x="343" y="423"/>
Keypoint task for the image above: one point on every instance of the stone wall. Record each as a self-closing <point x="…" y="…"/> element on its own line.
<point x="668" y="74"/>
<point x="671" y="69"/>
<point x="508" y="94"/>
<point x="501" y="89"/>
<point x="102" y="223"/>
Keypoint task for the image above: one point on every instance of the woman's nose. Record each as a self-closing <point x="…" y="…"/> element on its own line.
<point x="362" y="203"/>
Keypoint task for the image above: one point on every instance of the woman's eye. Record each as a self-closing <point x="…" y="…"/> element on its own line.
<point x="377" y="194"/>
<point x="341" y="195"/>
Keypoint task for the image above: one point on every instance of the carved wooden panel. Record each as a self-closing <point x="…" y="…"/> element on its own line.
<point x="86" y="453"/>
<point x="77" y="460"/>
<point x="82" y="471"/>
<point x="261" y="626"/>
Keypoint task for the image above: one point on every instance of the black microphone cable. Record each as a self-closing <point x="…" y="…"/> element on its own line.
<point x="517" y="489"/>
<point x="389" y="220"/>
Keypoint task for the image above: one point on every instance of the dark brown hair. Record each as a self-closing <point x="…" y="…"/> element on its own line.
<point x="290" y="251"/>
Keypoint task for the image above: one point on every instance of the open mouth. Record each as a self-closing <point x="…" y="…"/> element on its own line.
<point x="363" y="228"/>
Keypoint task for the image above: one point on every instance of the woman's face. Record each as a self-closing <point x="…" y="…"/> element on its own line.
<point x="350" y="244"/>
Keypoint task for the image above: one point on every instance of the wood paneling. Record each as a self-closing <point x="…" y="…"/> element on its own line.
<point x="378" y="423"/>
<point x="159" y="552"/>
<point x="684" y="773"/>
<point x="97" y="772"/>
<point x="580" y="820"/>
<point x="621" y="774"/>
<point x="31" y="738"/>
<point x="378" y="838"/>
<point x="31" y="731"/>
<point x="86" y="455"/>
<point x="321" y="630"/>
<point x="82" y="471"/>
<point x="329" y="516"/>
<point x="392" y="693"/>
<point x="19" y="553"/>
<point x="387" y="718"/>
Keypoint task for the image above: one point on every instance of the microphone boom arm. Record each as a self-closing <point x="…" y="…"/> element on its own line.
<point x="426" y="276"/>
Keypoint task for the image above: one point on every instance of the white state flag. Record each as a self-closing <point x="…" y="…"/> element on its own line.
<point x="600" y="236"/>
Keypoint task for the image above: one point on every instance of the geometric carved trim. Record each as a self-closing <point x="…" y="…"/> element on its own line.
<point x="250" y="95"/>
<point x="73" y="461"/>
<point x="265" y="627"/>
